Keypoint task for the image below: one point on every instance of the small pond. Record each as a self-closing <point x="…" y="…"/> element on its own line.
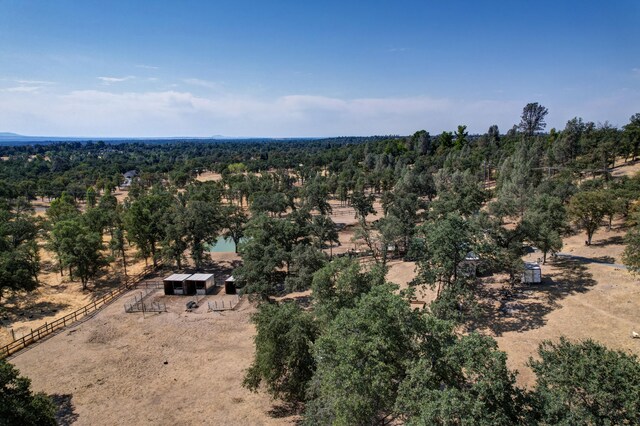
<point x="224" y="245"/>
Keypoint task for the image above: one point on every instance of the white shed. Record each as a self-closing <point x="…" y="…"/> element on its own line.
<point x="532" y="273"/>
<point x="203" y="282"/>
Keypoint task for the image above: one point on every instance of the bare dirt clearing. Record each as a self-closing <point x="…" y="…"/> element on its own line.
<point x="209" y="176"/>
<point x="170" y="368"/>
<point x="577" y="299"/>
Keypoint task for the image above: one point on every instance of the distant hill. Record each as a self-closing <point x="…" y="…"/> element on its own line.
<point x="14" y="139"/>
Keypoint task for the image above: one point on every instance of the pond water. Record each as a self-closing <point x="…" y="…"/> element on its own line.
<point x="223" y="245"/>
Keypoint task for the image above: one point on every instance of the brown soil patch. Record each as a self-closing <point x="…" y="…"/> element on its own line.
<point x="170" y="368"/>
<point x="629" y="169"/>
<point x="209" y="176"/>
<point x="578" y="299"/>
<point x="56" y="296"/>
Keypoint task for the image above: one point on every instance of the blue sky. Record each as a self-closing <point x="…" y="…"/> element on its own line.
<point x="325" y="68"/>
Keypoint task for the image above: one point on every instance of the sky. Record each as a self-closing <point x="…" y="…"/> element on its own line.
<point x="312" y="68"/>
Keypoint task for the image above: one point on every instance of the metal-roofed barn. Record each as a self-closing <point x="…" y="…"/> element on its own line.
<point x="199" y="283"/>
<point x="175" y="284"/>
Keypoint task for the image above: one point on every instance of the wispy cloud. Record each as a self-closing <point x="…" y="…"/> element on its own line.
<point x="203" y="83"/>
<point x="35" y="82"/>
<point x="27" y="86"/>
<point x="147" y="67"/>
<point x="111" y="80"/>
<point x="636" y="71"/>
<point x="23" y="89"/>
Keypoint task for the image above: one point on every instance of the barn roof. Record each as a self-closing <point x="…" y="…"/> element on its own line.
<point x="177" y="277"/>
<point x="200" y="277"/>
<point x="531" y="265"/>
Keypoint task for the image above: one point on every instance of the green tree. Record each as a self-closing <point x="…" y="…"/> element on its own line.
<point x="203" y="223"/>
<point x="587" y="209"/>
<point x="544" y="223"/>
<point x="632" y="133"/>
<point x="338" y="285"/>
<point x="445" y="140"/>
<point x="316" y="196"/>
<point x="532" y="119"/>
<point x="586" y="383"/>
<point x="283" y="358"/>
<point x="324" y="230"/>
<point x="421" y="141"/>
<point x="18" y="404"/>
<point x="60" y="242"/>
<point x="361" y="360"/>
<point x="91" y="197"/>
<point x="118" y="246"/>
<point x="19" y="260"/>
<point x="174" y="242"/>
<point x="86" y="256"/>
<point x="461" y="137"/>
<point x="77" y="248"/>
<point x="631" y="255"/>
<point x="305" y="261"/>
<point x="362" y="204"/>
<point x="143" y="221"/>
<point x="267" y="250"/>
<point x="235" y="220"/>
<point x="404" y="207"/>
<point x="63" y="207"/>
<point x="447" y="242"/>
<point x="459" y="381"/>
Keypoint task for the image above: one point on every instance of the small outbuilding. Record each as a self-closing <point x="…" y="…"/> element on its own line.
<point x="532" y="273"/>
<point x="175" y="284"/>
<point x="469" y="266"/>
<point x="200" y="283"/>
<point x="230" y="285"/>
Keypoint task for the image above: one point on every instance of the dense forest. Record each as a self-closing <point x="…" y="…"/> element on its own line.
<point x="357" y="353"/>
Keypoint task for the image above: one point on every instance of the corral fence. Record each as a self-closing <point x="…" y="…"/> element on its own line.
<point x="49" y="327"/>
<point x="138" y="304"/>
<point x="223" y="305"/>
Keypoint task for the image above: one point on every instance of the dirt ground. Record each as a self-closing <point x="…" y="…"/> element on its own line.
<point x="578" y="298"/>
<point x="169" y="368"/>
<point x="209" y="176"/>
<point x="56" y="296"/>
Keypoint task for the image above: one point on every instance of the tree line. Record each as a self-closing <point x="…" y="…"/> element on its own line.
<point x="442" y="199"/>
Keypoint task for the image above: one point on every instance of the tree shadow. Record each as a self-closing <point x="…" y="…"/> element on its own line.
<point x="37" y="311"/>
<point x="586" y="260"/>
<point x="524" y="307"/>
<point x="613" y="240"/>
<point x="224" y="270"/>
<point x="49" y="266"/>
<point x="285" y="409"/>
<point x="65" y="410"/>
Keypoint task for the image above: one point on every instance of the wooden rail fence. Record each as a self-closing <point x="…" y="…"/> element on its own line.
<point x="60" y="323"/>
